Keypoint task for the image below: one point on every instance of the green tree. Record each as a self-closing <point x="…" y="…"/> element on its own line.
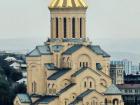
<point x="20" y="88"/>
<point x="15" y="75"/>
<point x="4" y="92"/>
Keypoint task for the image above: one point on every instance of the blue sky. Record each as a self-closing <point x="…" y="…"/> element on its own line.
<point x="114" y="24"/>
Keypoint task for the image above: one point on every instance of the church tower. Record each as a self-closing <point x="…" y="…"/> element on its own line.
<point x="67" y="69"/>
<point x="68" y="18"/>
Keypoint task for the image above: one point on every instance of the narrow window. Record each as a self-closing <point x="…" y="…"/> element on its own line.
<point x="86" y="64"/>
<point x="34" y="87"/>
<point x="80" y="64"/>
<point x="83" y="64"/>
<point x="90" y="84"/>
<point x="65" y="27"/>
<point x="80" y="27"/>
<point x="56" y="27"/>
<point x="85" y="84"/>
<point x="73" y="27"/>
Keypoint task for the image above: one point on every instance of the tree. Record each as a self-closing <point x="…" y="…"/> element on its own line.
<point x="15" y="75"/>
<point x="20" y="88"/>
<point x="4" y="92"/>
<point x="5" y="66"/>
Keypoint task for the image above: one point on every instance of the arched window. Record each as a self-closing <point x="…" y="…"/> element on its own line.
<point x="56" y="27"/>
<point x="115" y="102"/>
<point x="105" y="101"/>
<point x="80" y="64"/>
<point x="90" y="84"/>
<point x="73" y="27"/>
<point x="65" y="27"/>
<point x="66" y="101"/>
<point x="85" y="84"/>
<point x="80" y="27"/>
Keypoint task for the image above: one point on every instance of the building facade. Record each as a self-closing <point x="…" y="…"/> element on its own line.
<point x="117" y="73"/>
<point x="68" y="69"/>
<point x="131" y="93"/>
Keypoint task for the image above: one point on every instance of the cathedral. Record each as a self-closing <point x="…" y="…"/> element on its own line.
<point x="67" y="69"/>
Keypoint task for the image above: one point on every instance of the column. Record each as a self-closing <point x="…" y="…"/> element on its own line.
<point x="69" y="27"/>
<point x="53" y="28"/>
<point x="84" y="27"/>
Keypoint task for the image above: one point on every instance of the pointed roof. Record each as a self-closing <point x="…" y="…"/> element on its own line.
<point x="113" y="90"/>
<point x="68" y="4"/>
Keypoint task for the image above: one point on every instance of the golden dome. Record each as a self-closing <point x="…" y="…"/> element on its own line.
<point x="68" y="4"/>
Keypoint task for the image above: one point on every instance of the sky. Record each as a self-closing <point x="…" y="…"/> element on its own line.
<point x="112" y="24"/>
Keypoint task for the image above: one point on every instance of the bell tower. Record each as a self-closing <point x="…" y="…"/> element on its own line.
<point x="68" y="18"/>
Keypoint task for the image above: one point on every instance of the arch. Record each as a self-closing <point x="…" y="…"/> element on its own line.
<point x="66" y="101"/>
<point x="84" y="61"/>
<point x="88" y="83"/>
<point x="115" y="101"/>
<point x="94" y="101"/>
<point x="103" y="82"/>
<point x="65" y="82"/>
<point x="73" y="96"/>
<point x="91" y="83"/>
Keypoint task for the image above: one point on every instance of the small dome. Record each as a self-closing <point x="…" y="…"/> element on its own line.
<point x="68" y="4"/>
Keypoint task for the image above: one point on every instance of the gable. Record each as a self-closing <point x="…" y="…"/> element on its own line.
<point x="95" y="49"/>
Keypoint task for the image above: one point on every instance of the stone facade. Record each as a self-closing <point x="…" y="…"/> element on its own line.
<point x="117" y="73"/>
<point x="68" y="69"/>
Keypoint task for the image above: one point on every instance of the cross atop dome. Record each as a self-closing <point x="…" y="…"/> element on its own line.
<point x="68" y="4"/>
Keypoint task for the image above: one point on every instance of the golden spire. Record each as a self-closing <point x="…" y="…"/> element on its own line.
<point x="68" y="4"/>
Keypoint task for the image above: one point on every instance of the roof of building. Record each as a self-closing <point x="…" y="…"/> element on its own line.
<point x="128" y="86"/>
<point x="57" y="48"/>
<point x="68" y="4"/>
<point x="113" y="90"/>
<point x="40" y="50"/>
<point x="60" y="72"/>
<point x="82" y="70"/>
<point x="23" y="80"/>
<point x="72" y="49"/>
<point x="74" y="40"/>
<point x="66" y="88"/>
<point x="47" y="99"/>
<point x="81" y="96"/>
<point x="10" y="58"/>
<point x="96" y="49"/>
<point x="44" y="100"/>
<point x="24" y="98"/>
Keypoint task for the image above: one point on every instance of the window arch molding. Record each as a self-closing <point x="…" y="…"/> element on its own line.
<point x="88" y="83"/>
<point x="84" y="60"/>
<point x="103" y="82"/>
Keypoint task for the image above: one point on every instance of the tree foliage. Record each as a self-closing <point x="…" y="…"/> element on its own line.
<point x="15" y="75"/>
